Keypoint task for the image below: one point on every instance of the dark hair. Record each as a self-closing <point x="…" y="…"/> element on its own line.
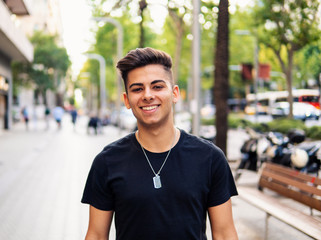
<point x="141" y="57"/>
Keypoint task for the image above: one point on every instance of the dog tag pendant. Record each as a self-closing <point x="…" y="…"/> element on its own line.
<point x="157" y="182"/>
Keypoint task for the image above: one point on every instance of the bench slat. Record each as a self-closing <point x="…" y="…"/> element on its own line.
<point x="266" y="173"/>
<point x="290" y="193"/>
<point x="297" y="219"/>
<point x="294" y="173"/>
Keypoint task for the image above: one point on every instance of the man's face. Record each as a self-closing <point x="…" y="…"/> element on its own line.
<point x="150" y="95"/>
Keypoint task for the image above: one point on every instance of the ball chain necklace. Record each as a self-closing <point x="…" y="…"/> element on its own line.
<point x="156" y="179"/>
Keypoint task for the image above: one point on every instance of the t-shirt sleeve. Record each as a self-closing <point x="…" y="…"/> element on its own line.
<point x="97" y="192"/>
<point x="222" y="185"/>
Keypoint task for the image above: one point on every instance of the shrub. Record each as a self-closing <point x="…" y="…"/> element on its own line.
<point x="314" y="132"/>
<point x="207" y="121"/>
<point x="283" y="125"/>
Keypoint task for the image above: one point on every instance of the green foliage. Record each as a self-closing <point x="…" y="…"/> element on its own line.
<point x="308" y="62"/>
<point x="234" y="121"/>
<point x="314" y="132"/>
<point x="292" y="24"/>
<point x="49" y="60"/>
<point x="48" y="53"/>
<point x="20" y="78"/>
<point x="278" y="125"/>
<point x="284" y="125"/>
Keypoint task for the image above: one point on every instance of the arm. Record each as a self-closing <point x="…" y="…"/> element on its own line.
<point x="99" y="224"/>
<point x="222" y="224"/>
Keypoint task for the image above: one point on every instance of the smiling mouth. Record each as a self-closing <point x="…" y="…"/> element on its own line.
<point x="149" y="108"/>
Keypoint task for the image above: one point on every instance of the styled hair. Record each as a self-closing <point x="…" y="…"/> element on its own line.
<point x="141" y="57"/>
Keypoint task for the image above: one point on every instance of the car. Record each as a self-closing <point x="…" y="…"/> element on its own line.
<point x="261" y="110"/>
<point x="301" y="111"/>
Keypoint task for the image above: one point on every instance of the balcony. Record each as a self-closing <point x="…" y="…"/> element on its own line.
<point x="17" y="7"/>
<point x="13" y="42"/>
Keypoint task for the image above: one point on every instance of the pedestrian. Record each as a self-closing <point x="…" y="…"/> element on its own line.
<point x="160" y="181"/>
<point x="25" y="115"/>
<point x="93" y="123"/>
<point x="58" y="113"/>
<point x="74" y="114"/>
<point x="47" y="114"/>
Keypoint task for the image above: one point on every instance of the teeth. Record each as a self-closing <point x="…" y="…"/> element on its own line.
<point x="149" y="108"/>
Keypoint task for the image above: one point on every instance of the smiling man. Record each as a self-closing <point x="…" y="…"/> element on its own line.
<point x="159" y="182"/>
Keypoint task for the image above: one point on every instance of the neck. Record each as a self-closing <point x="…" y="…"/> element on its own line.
<point x="157" y="140"/>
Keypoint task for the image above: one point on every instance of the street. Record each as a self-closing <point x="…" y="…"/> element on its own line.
<point x="43" y="172"/>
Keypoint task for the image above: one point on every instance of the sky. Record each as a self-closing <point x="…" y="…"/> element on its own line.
<point x="75" y="15"/>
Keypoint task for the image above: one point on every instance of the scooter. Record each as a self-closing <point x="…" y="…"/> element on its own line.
<point x="274" y="147"/>
<point x="249" y="153"/>
<point x="293" y="151"/>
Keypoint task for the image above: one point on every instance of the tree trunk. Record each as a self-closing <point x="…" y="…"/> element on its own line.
<point x="221" y="75"/>
<point x="142" y="6"/>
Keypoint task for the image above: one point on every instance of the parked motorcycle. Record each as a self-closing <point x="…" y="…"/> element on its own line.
<point x="293" y="151"/>
<point x="249" y="153"/>
<point x="289" y="150"/>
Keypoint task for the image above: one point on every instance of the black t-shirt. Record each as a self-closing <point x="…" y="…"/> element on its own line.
<point x="195" y="177"/>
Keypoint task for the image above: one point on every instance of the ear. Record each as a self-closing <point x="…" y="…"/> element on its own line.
<point x="126" y="101"/>
<point x="176" y="94"/>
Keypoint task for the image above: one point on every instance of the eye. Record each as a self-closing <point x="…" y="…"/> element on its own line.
<point x="158" y="87"/>
<point x="137" y="89"/>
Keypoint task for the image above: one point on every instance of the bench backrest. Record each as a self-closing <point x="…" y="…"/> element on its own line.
<point x="292" y="184"/>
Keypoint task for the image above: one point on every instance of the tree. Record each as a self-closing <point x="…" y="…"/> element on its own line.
<point x="221" y="75"/>
<point x="179" y="29"/>
<point x="286" y="26"/>
<point x="308" y="61"/>
<point x="49" y="66"/>
<point x="142" y="7"/>
<point x="98" y="10"/>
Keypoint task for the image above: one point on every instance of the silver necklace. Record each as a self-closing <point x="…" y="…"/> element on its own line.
<point x="156" y="179"/>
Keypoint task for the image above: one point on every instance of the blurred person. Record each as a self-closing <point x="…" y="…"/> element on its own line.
<point x="47" y="116"/>
<point x="25" y="115"/>
<point x="94" y="123"/>
<point x="160" y="181"/>
<point x="58" y="113"/>
<point x="74" y="115"/>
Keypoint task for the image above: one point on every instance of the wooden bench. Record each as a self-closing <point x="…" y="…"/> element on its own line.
<point x="292" y="184"/>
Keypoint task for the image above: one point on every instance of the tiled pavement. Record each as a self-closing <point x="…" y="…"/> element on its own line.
<point x="42" y="175"/>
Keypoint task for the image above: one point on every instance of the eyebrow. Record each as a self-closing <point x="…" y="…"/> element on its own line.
<point x="140" y="84"/>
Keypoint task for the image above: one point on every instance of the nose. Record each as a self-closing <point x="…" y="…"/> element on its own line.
<point x="148" y="95"/>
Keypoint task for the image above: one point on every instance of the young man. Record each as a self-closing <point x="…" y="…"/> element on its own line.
<point x="160" y="182"/>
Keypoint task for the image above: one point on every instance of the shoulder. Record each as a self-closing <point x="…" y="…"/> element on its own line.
<point x="115" y="149"/>
<point x="199" y="144"/>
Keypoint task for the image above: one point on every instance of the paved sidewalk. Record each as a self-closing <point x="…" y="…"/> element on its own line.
<point x="42" y="175"/>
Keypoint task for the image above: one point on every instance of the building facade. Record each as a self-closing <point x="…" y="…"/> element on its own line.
<point x="45" y="17"/>
<point x="14" y="46"/>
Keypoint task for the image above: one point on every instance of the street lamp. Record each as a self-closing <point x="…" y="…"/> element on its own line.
<point x="119" y="54"/>
<point x="102" y="68"/>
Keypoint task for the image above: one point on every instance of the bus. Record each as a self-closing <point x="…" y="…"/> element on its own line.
<point x="265" y="100"/>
